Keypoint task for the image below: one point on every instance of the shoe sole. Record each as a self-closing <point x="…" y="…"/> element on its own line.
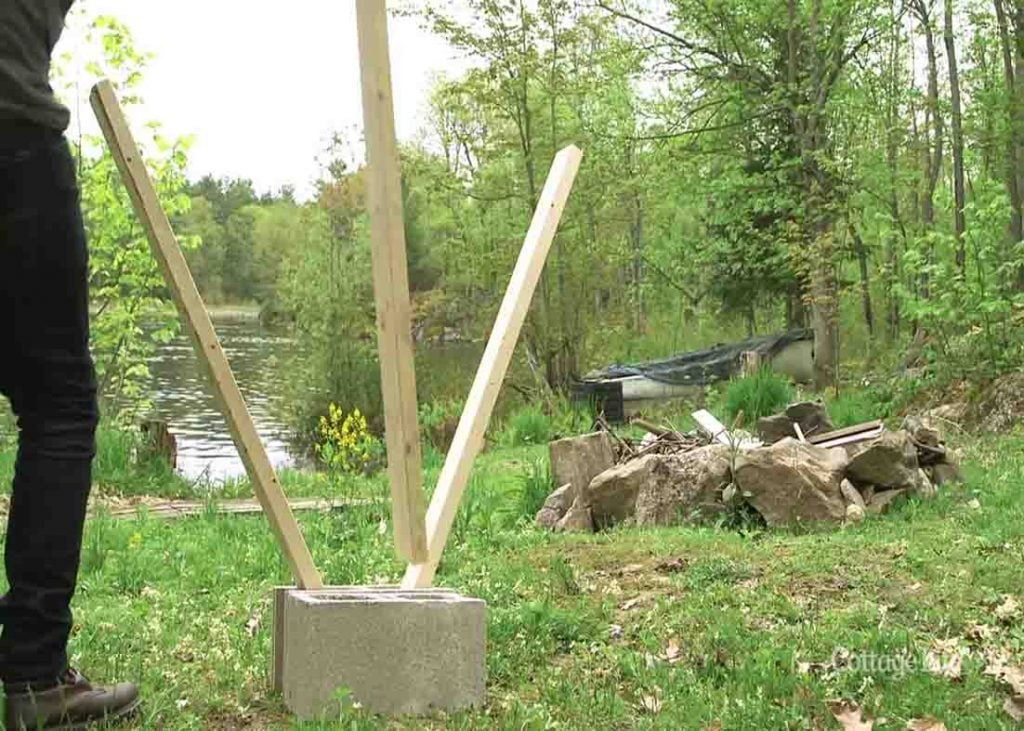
<point x="122" y="715"/>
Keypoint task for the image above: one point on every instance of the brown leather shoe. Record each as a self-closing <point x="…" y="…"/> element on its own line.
<point x="74" y="704"/>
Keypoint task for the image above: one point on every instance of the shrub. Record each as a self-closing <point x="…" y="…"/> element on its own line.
<point x="528" y="426"/>
<point x="345" y="443"/>
<point x="438" y="422"/>
<point x="761" y="394"/>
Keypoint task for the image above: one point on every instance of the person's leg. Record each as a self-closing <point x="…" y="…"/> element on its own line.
<point x="48" y="377"/>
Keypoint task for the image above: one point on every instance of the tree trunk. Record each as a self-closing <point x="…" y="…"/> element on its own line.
<point x="958" y="137"/>
<point x="861" y="252"/>
<point x="824" y="316"/>
<point x="934" y="134"/>
<point x="1012" y="167"/>
<point x="891" y="275"/>
<point x="637" y="235"/>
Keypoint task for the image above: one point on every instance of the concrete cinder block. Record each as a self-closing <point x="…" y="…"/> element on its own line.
<point x="397" y="652"/>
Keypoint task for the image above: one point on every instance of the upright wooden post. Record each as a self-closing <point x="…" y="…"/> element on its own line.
<point x="391" y="285"/>
<point x="197" y="322"/>
<point x="469" y="436"/>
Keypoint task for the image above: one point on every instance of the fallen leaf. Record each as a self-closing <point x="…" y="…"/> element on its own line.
<point x="651" y="704"/>
<point x="631" y="603"/>
<point x="998" y="666"/>
<point x="632" y="568"/>
<point x="716" y="726"/>
<point x="253" y="625"/>
<point x="974" y="504"/>
<point x="671" y="566"/>
<point x="615" y="631"/>
<point x="1014" y="706"/>
<point x="1008" y="609"/>
<point x="945" y="659"/>
<point x="928" y="723"/>
<point x="672" y="651"/>
<point x="813" y="668"/>
<point x="848" y="714"/>
<point x="980" y="632"/>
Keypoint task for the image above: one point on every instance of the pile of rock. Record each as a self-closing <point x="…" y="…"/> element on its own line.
<point x="786" y="480"/>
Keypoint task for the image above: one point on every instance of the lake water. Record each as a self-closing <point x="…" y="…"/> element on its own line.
<point x="182" y="397"/>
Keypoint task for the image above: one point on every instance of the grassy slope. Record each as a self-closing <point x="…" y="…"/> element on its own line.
<point x="184" y="606"/>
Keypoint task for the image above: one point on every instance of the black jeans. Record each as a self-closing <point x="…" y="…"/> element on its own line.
<point x="46" y="372"/>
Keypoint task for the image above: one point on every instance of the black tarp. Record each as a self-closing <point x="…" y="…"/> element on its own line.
<point x="703" y="367"/>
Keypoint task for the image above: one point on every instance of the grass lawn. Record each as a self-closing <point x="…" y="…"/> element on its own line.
<point x="675" y="628"/>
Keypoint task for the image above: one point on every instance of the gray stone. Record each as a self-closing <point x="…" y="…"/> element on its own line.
<point x="924" y="486"/>
<point x="395" y="652"/>
<point x="811" y="416"/>
<point x="889" y="460"/>
<point x="578" y="519"/>
<point x="576" y="461"/>
<point x="791" y="482"/>
<point x="854" y="513"/>
<point x="851" y="494"/>
<point x="922" y="431"/>
<point x="556" y="505"/>
<point x="775" y="428"/>
<point x="611" y="496"/>
<point x="945" y="473"/>
<point x="883" y="500"/>
<point x="685" y="488"/>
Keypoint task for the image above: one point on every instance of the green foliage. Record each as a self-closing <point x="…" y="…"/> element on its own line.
<point x="128" y="299"/>
<point x="970" y="320"/>
<point x="762" y="394"/>
<point x="528" y="425"/>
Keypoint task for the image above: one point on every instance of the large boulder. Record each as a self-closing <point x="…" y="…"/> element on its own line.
<point x="576" y="461"/>
<point x="611" y="496"/>
<point x="685" y="487"/>
<point x="889" y="460"/>
<point x="792" y="482"/>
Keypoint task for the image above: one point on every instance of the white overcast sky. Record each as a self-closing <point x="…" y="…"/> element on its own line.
<point x="262" y="84"/>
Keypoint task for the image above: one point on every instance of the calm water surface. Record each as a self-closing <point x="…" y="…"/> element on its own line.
<point x="182" y="397"/>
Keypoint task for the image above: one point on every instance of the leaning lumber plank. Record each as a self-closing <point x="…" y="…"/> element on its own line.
<point x="469" y="436"/>
<point x="854" y="438"/>
<point x="868" y="426"/>
<point x="711" y="426"/>
<point x="197" y="322"/>
<point x="391" y="285"/>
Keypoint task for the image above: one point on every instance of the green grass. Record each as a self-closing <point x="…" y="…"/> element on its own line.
<point x="184" y="607"/>
<point x="761" y="394"/>
<point x="117" y="469"/>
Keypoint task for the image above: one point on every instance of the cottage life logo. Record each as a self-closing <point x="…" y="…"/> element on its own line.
<point x="941" y="660"/>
